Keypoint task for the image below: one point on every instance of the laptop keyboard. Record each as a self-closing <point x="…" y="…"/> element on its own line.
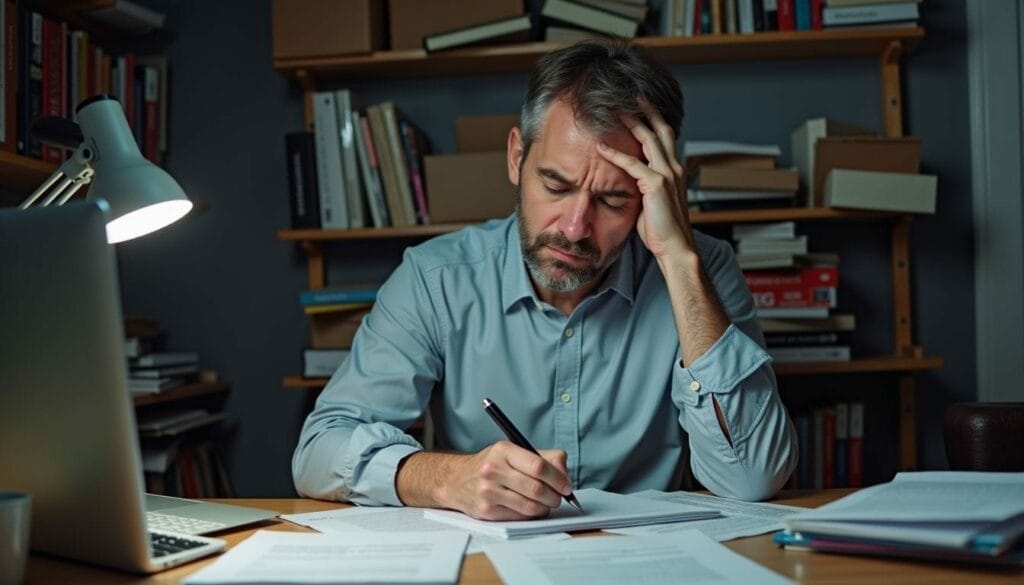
<point x="166" y="544"/>
<point x="180" y="524"/>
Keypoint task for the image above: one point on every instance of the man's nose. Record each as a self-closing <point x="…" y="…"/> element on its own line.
<point x="577" y="219"/>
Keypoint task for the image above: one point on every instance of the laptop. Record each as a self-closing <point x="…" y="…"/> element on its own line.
<point x="67" y="423"/>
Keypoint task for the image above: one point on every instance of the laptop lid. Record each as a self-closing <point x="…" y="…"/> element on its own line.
<point x="67" y="428"/>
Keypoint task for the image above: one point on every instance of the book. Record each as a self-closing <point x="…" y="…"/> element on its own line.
<point x="740" y="178"/>
<point x="805" y="448"/>
<point x="334" y="308"/>
<point x="322" y="363"/>
<point x="786" y="15"/>
<point x="163" y="371"/>
<point x="837" y="322"/>
<point x="303" y="196"/>
<point x="414" y="149"/>
<point x="370" y="169"/>
<point x="792" y="312"/>
<point x="865" y="2"/>
<point x="778" y="229"/>
<point x="153" y="385"/>
<point x="590" y="18"/>
<point x="332" y="296"/>
<point x="808" y="287"/>
<point x="775" y="260"/>
<point x="809" y="353"/>
<point x="156" y="360"/>
<point x="855" y="446"/>
<point x="129" y="17"/>
<point x="505" y="30"/>
<point x="794" y="245"/>
<point x="399" y="160"/>
<point x="8" y="75"/>
<point x="564" y="34"/>
<point x="399" y="210"/>
<point x="966" y="514"/>
<point x="30" y="81"/>
<point x="835" y="16"/>
<point x="802" y="14"/>
<point x="808" y="339"/>
<point x="803" y="141"/>
<point x="633" y="11"/>
<point x="738" y="195"/>
<point x="903" y="192"/>
<point x="842" y="432"/>
<point x="828" y="450"/>
<point x="350" y="168"/>
<point x="817" y="420"/>
<point x="329" y="172"/>
<point x="158" y="62"/>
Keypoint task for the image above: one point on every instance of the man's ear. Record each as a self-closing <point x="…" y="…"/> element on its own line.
<point x="515" y="154"/>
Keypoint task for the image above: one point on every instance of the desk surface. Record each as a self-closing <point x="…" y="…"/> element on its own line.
<point x="804" y="567"/>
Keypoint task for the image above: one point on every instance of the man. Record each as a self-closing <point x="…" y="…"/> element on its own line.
<point x="595" y="316"/>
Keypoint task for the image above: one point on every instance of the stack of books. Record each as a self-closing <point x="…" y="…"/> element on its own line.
<point x="154" y="372"/>
<point x="687" y="18"/>
<point x="830" y="440"/>
<point x="359" y="167"/>
<point x="572" y="20"/>
<point x="809" y="339"/>
<point x="728" y="175"/>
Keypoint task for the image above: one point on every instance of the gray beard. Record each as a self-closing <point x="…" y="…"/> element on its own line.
<point x="572" y="278"/>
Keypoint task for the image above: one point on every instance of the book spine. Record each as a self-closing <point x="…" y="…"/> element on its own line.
<point x="825" y="353"/>
<point x="809" y="276"/>
<point x="30" y="85"/>
<point x="128" y="97"/>
<point x="396" y="207"/>
<point x="771" y="15"/>
<point x="817" y="430"/>
<point x="323" y="297"/>
<point x="151" y="114"/>
<point x="371" y="173"/>
<point x="758" y="15"/>
<point x="746" y="16"/>
<point x="842" y="432"/>
<point x="816" y="18"/>
<point x="828" y="465"/>
<point x="794" y="297"/>
<point x="353" y="186"/>
<point x="304" y="200"/>
<point x="330" y="181"/>
<point x="414" y="156"/>
<point x="786" y="15"/>
<point x="805" y="448"/>
<point x="802" y="8"/>
<point x="401" y="165"/>
<point x="855" y="445"/>
<point x="808" y="339"/>
<point x="53" y="81"/>
<point x="9" y="96"/>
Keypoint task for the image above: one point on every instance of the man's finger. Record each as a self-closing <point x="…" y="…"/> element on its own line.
<point x="652" y="146"/>
<point x="537" y="468"/>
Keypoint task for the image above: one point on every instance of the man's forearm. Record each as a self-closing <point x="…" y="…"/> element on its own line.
<point x="700" y="319"/>
<point x="420" y="480"/>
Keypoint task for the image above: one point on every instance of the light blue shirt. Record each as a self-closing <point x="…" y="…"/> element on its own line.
<point x="459" y="321"/>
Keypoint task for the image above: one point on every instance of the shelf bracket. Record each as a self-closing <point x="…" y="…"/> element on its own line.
<point x="892" y="101"/>
<point x="315" y="265"/>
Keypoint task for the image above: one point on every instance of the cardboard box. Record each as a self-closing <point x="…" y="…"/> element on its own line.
<point x="468" y="187"/>
<point x="864" y="153"/>
<point x="411" y="20"/>
<point x="881" y="191"/>
<point x="326" y="28"/>
<point x="803" y="140"/>
<point x="335" y="330"/>
<point x="484" y="133"/>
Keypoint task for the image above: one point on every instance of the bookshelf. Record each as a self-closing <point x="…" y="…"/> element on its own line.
<point x="887" y="46"/>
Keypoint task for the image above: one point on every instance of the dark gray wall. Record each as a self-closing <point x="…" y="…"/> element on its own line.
<point x="222" y="284"/>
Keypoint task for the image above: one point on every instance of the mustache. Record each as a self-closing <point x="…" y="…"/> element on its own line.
<point x="558" y="240"/>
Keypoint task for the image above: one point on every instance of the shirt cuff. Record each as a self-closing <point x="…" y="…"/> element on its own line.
<point x="376" y="485"/>
<point x="732" y="358"/>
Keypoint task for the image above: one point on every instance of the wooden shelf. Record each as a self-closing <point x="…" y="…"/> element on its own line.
<point x="181" y="393"/>
<point x="696" y="218"/>
<point x="22" y="173"/>
<point x="521" y="57"/>
<point x="860" y="365"/>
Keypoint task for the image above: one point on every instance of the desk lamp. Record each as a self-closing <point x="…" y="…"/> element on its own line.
<point x="141" y="197"/>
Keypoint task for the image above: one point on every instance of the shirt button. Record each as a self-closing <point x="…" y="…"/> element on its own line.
<point x="569" y="332"/>
<point x="566" y="397"/>
<point x="695" y="386"/>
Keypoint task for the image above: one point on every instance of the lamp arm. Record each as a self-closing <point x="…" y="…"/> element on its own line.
<point x="71" y="176"/>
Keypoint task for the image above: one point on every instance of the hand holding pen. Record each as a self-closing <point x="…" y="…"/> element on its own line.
<point x="519" y="440"/>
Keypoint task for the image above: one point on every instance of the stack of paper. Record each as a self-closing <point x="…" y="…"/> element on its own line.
<point x="936" y="514"/>
<point x="602" y="510"/>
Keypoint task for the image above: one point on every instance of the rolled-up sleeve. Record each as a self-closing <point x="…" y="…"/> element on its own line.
<point x="735" y="372"/>
<point x="353" y="441"/>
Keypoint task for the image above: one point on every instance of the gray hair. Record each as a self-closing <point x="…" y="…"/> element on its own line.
<point x="599" y="79"/>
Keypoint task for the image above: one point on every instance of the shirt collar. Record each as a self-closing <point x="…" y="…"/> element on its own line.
<point x="517" y="286"/>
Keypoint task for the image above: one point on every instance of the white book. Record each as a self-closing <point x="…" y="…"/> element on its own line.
<point x="712" y="147"/>
<point x="667" y="18"/>
<point x="329" y="173"/>
<point x="349" y="164"/>
<point x="794" y="245"/>
<point x="746" y="16"/>
<point x="400" y="161"/>
<point x="602" y="510"/>
<point x="688" y="13"/>
<point x="699" y="195"/>
<point x="778" y="229"/>
<point x="588" y="17"/>
<point x="854" y="15"/>
<point x="637" y="12"/>
<point x="371" y="176"/>
<point x="155" y="360"/>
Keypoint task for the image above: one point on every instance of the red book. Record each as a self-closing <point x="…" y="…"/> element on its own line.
<point x="698" y="11"/>
<point x="54" y="79"/>
<point x="855" y="446"/>
<point x="128" y="98"/>
<point x="151" y="112"/>
<point x="814" y="286"/>
<point x="787" y="15"/>
<point x="816" y="7"/>
<point x="187" y="475"/>
<point x="828" y="457"/>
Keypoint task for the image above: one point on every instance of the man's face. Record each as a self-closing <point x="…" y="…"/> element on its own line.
<point x="576" y="209"/>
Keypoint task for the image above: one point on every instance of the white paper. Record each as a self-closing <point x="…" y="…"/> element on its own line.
<point x="297" y="557"/>
<point x="389" y="519"/>
<point x="684" y="557"/>
<point x="738" y="519"/>
<point x="708" y="147"/>
<point x="601" y="510"/>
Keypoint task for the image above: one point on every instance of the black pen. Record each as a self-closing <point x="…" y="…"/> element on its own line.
<point x="516" y="437"/>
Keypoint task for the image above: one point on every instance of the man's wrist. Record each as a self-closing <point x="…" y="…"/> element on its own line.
<point x="420" y="479"/>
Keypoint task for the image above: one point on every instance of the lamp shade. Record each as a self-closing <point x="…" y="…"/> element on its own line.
<point x="142" y="197"/>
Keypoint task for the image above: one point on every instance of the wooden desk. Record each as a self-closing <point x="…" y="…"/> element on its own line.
<point x="805" y="567"/>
